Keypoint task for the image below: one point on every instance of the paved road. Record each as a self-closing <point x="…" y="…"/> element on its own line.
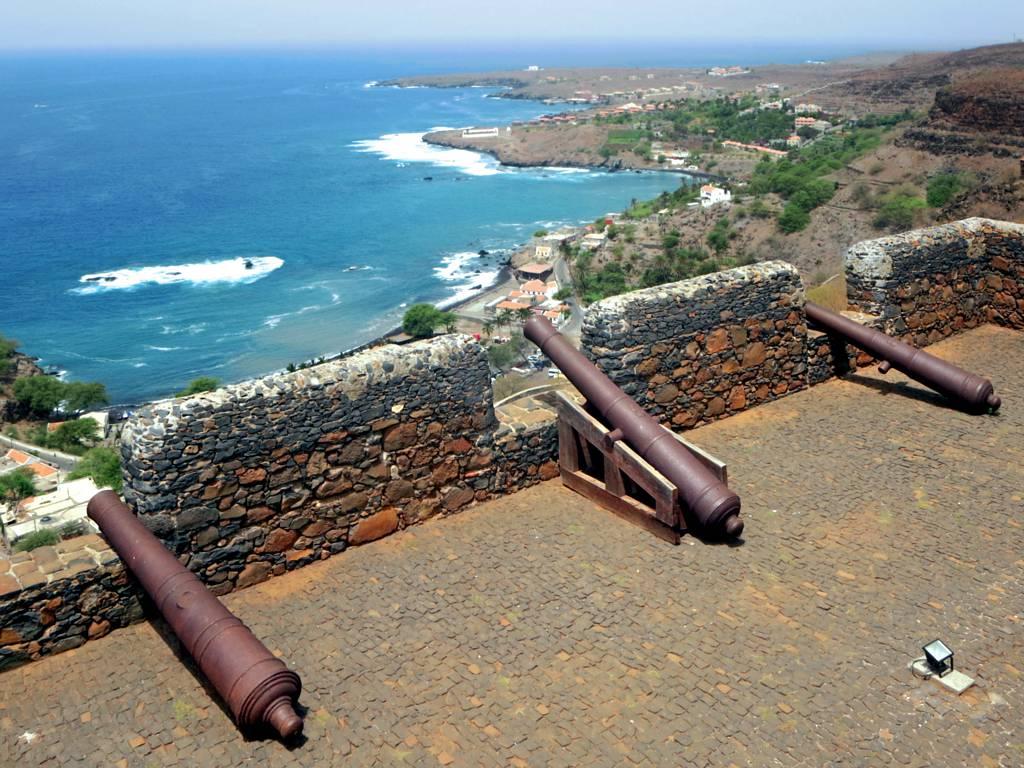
<point x="63" y="461"/>
<point x="564" y="279"/>
<point x="538" y="630"/>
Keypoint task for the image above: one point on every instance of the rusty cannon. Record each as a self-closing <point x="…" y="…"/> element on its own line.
<point x="715" y="509"/>
<point x="973" y="392"/>
<point x="258" y="688"/>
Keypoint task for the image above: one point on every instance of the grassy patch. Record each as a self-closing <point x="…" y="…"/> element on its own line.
<point x="831" y="294"/>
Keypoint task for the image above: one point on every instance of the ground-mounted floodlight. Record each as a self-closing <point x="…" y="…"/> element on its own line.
<point x="939" y="657"/>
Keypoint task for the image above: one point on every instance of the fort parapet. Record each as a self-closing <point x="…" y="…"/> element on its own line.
<point x="259" y="478"/>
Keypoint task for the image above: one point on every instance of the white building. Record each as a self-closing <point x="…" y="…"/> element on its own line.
<point x="711" y="195"/>
<point x="806" y="109"/>
<point x="54" y="510"/>
<point x="480" y="133"/>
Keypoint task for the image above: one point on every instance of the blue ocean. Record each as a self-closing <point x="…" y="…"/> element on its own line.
<point x="164" y="217"/>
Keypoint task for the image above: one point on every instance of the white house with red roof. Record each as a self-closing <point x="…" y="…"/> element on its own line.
<point x="711" y="195"/>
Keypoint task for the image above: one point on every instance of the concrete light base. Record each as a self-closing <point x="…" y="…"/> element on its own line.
<point x="954" y="681"/>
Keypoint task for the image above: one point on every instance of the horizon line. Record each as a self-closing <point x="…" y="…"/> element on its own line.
<point x="510" y="44"/>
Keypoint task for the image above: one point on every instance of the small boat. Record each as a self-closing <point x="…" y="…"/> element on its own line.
<point x="428" y="178"/>
<point x="248" y="264"/>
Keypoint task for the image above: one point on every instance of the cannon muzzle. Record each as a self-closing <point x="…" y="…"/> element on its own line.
<point x="715" y="507"/>
<point x="258" y="688"/>
<point x="973" y="392"/>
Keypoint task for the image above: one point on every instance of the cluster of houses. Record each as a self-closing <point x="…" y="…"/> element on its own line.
<point x="537" y="286"/>
<point x="59" y="504"/>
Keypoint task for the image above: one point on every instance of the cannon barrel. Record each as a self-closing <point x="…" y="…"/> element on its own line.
<point x="973" y="391"/>
<point x="258" y="688"/>
<point x="715" y="507"/>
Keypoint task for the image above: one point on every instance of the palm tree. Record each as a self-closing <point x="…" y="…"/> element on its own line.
<point x="523" y="314"/>
<point x="504" y="319"/>
<point x="488" y="328"/>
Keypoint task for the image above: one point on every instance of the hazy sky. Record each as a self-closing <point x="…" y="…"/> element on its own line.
<point x="31" y="24"/>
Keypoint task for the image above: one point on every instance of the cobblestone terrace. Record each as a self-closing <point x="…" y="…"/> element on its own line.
<point x="538" y="630"/>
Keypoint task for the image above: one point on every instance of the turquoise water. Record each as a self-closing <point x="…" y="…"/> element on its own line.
<point x="133" y="190"/>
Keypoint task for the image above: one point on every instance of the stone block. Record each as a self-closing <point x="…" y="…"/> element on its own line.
<point x="253" y="573"/>
<point x="375" y="526"/>
<point x="279" y="539"/>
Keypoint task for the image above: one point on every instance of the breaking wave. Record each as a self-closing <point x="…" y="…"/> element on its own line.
<point x="238" y="270"/>
<point x="410" y="148"/>
<point x="462" y="271"/>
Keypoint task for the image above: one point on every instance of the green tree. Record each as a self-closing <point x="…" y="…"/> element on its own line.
<point x="40" y="394"/>
<point x="487" y="329"/>
<point x="79" y="395"/>
<point x="793" y="218"/>
<point x="103" y="465"/>
<point x="7" y="349"/>
<point x="720" y="235"/>
<point x="540" y="233"/>
<point x="17" y="485"/>
<point x="421" y="319"/>
<point x="72" y="436"/>
<point x="202" y="384"/>
<point x="523" y="314"/>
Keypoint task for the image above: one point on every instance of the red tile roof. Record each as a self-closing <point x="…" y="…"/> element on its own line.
<point x="18" y="457"/>
<point x="512" y="305"/>
<point x="534" y="269"/>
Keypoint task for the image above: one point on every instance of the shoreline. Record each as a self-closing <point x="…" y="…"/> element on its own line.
<point x="431" y="138"/>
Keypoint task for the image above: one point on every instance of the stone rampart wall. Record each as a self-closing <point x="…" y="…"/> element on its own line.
<point x="704" y="348"/>
<point x="53" y="599"/>
<point x="259" y="478"/>
<point x="928" y="284"/>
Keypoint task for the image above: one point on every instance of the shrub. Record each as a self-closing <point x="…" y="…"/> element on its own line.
<point x="36" y="539"/>
<point x="7" y="348"/>
<point x="202" y="384"/>
<point x="72" y="529"/>
<point x="898" y="210"/>
<point x="759" y="210"/>
<point x="720" y="235"/>
<point x="17" y="485"/>
<point x="943" y="188"/>
<point x="504" y="355"/>
<point x="103" y="465"/>
<point x="71" y="436"/>
<point x="793" y="218"/>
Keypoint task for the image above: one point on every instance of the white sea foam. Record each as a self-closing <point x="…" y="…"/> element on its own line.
<point x="162" y="349"/>
<point x="458" y="269"/>
<point x="272" y="321"/>
<point x="191" y="330"/>
<point x="410" y="148"/>
<point x="239" y="270"/>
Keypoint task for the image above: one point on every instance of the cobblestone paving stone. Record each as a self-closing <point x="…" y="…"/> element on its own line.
<point x="538" y="630"/>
